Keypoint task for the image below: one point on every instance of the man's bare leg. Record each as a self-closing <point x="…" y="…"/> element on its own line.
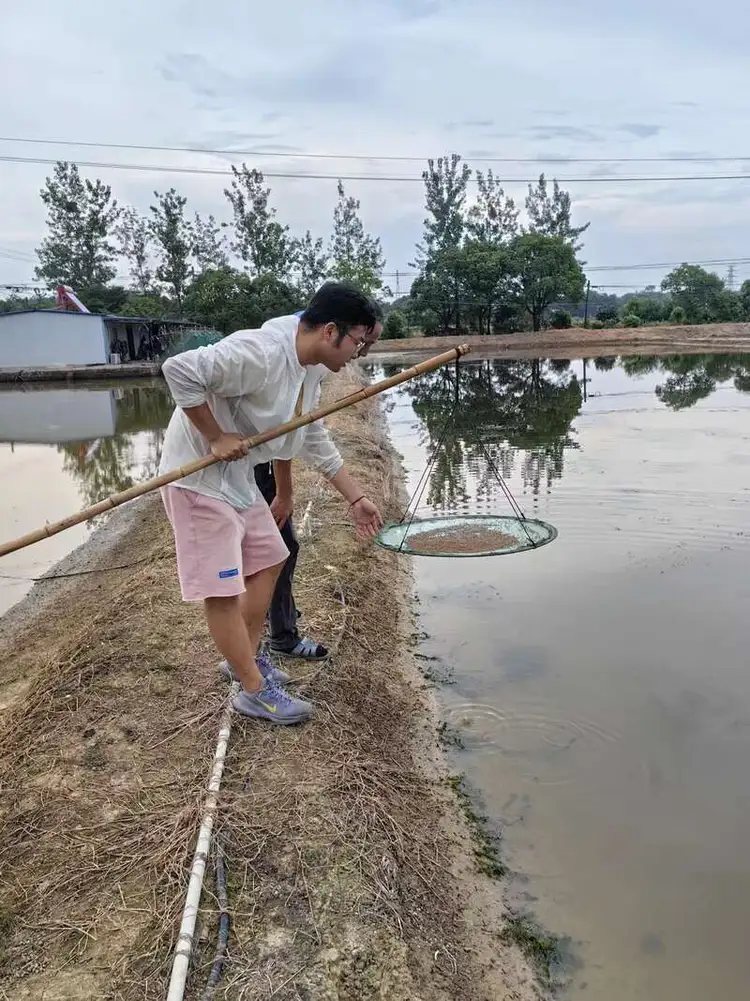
<point x="236" y="625"/>
<point x="255" y="602"/>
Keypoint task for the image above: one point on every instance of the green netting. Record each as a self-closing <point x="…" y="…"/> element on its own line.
<point x="466" y="535"/>
<point x="192" y="339"/>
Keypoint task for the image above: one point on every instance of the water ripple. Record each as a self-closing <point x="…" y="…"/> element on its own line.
<point x="536" y="741"/>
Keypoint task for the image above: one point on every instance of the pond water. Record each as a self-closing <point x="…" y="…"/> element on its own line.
<point x="600" y="685"/>
<point x="62" y="449"/>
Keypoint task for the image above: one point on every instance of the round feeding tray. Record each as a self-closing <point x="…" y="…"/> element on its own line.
<point x="466" y="535"/>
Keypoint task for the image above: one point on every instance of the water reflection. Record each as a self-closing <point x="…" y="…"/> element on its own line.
<point x="108" y="435"/>
<point x="691" y="378"/>
<point x="62" y="449"/>
<point x="504" y="412"/>
<point x="599" y="686"/>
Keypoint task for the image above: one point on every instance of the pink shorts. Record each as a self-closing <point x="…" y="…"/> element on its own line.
<point x="217" y="545"/>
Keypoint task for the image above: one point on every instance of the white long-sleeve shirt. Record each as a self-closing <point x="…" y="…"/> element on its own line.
<point x="251" y="380"/>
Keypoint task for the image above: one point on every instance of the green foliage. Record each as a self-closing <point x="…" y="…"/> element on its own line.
<point x="209" y="245"/>
<point x="650" y="310"/>
<point x="262" y="243"/>
<point x="701" y="294"/>
<point x="395" y="326"/>
<point x="608" y="315"/>
<point x="546" y="271"/>
<point x="80" y="218"/>
<point x="485" y="274"/>
<point x="550" y="215"/>
<point x="355" y="256"/>
<point x="493" y="218"/>
<point x="561" y="320"/>
<point x="134" y="236"/>
<point x="542" y="950"/>
<point x="631" y="320"/>
<point x="312" y="264"/>
<point x="173" y="238"/>
<point x="463" y="287"/>
<point x="596" y="325"/>
<point x="16" y="302"/>
<point x="229" y="300"/>
<point x="744" y="300"/>
<point x="103" y="298"/>
<point x="677" y="315"/>
<point x="445" y="194"/>
<point x="152" y="304"/>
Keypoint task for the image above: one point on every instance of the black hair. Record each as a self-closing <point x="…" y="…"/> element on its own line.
<point x="342" y="304"/>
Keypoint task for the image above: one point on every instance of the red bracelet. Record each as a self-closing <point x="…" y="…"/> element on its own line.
<point x="356" y="501"/>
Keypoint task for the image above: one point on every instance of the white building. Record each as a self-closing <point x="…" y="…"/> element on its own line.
<point x="48" y="338"/>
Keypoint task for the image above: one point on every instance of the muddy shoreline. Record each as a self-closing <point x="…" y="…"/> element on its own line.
<point x="578" y="343"/>
<point x="353" y="869"/>
<point x="573" y="343"/>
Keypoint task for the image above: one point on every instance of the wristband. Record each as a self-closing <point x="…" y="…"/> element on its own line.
<point x="356" y="501"/>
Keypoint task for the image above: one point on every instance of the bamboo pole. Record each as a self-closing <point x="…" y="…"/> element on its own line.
<point x="184" y="947"/>
<point x="115" y="500"/>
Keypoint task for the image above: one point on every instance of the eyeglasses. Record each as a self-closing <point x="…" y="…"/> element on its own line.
<point x="362" y="348"/>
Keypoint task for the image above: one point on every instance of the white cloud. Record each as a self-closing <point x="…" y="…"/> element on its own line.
<point x="399" y="77"/>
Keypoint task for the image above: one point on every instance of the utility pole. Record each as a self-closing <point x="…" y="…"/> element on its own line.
<point x="586" y="307"/>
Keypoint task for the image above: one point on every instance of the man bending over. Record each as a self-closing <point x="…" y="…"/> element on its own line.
<point x="229" y="550"/>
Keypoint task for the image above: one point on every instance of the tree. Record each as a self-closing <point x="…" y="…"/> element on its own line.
<point x="561" y="320"/>
<point x="550" y="216"/>
<point x="356" y="256"/>
<point x="608" y="315"/>
<point x="81" y="216"/>
<point x="649" y="310"/>
<point x="395" y="326"/>
<point x="135" y="242"/>
<point x="701" y="294"/>
<point x="744" y="299"/>
<point x="485" y="276"/>
<point x="312" y="264"/>
<point x="230" y="300"/>
<point x="219" y="298"/>
<point x="209" y="249"/>
<point x="436" y="292"/>
<point x="464" y="287"/>
<point x="547" y="272"/>
<point x="445" y="194"/>
<point x="173" y="237"/>
<point x="262" y="243"/>
<point x="493" y="218"/>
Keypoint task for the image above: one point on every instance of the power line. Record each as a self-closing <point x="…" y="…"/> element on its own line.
<point x="287" y="154"/>
<point x="163" y="169"/>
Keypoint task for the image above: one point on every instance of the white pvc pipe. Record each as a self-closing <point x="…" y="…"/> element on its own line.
<point x="306" y="520"/>
<point x="184" y="947"/>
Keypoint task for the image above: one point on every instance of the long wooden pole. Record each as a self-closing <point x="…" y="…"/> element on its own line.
<point x="115" y="500"/>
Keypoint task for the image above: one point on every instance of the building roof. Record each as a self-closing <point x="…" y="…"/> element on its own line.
<point x="102" y="316"/>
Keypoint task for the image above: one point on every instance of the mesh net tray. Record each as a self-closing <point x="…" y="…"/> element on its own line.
<point x="466" y="535"/>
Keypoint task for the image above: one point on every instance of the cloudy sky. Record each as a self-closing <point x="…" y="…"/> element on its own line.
<point x="391" y="78"/>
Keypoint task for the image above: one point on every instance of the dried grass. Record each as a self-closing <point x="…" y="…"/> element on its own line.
<point x="340" y="872"/>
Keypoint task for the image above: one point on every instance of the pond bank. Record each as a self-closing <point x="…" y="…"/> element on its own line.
<point x="81" y="373"/>
<point x="580" y="343"/>
<point x="352" y="870"/>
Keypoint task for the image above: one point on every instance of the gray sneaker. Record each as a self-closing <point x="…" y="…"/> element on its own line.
<point x="269" y="671"/>
<point x="272" y="703"/>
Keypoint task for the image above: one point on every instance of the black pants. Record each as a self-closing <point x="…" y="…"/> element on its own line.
<point x="282" y="614"/>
